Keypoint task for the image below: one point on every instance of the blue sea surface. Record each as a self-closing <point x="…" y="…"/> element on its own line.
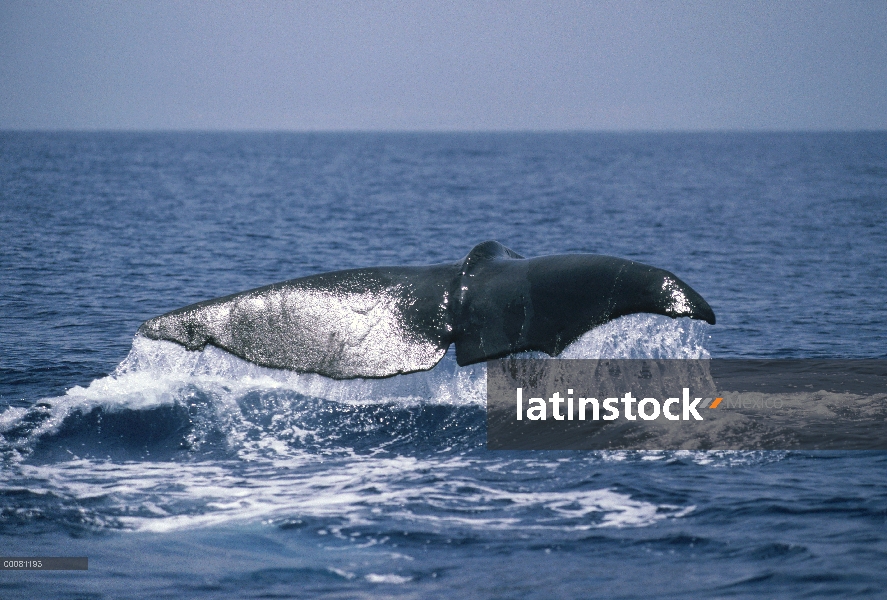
<point x="196" y="475"/>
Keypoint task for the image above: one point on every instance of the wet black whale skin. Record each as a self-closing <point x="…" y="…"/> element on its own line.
<point x="383" y="321"/>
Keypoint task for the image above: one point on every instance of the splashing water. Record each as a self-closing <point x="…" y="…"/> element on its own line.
<point x="175" y="439"/>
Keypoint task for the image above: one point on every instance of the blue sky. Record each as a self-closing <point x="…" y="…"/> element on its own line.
<point x="556" y="65"/>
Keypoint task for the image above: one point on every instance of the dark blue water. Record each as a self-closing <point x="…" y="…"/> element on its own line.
<point x="196" y="475"/>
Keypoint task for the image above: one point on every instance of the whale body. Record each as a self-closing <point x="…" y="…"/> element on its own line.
<point x="384" y="321"/>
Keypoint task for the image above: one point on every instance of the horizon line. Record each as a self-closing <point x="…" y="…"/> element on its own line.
<point x="437" y="131"/>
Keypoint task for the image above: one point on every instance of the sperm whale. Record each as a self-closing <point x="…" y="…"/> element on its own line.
<point x="384" y="321"/>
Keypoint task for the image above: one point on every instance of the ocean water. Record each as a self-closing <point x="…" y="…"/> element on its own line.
<point x="197" y="475"/>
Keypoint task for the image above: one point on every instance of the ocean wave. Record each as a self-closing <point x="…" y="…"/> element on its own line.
<point x="434" y="495"/>
<point x="164" y="395"/>
<point x="176" y="439"/>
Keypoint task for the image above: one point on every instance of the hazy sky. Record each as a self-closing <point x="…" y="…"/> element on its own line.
<point x="451" y="65"/>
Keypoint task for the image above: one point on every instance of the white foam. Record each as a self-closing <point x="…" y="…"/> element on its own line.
<point x="157" y="368"/>
<point x="642" y="336"/>
<point x="272" y="480"/>
<point x="169" y="366"/>
<point x="354" y="491"/>
<point x="157" y="372"/>
<point x="388" y="578"/>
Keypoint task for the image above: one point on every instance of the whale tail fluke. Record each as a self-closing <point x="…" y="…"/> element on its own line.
<point x="384" y="321"/>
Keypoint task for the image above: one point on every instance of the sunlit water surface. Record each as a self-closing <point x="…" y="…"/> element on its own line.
<point x="183" y="474"/>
